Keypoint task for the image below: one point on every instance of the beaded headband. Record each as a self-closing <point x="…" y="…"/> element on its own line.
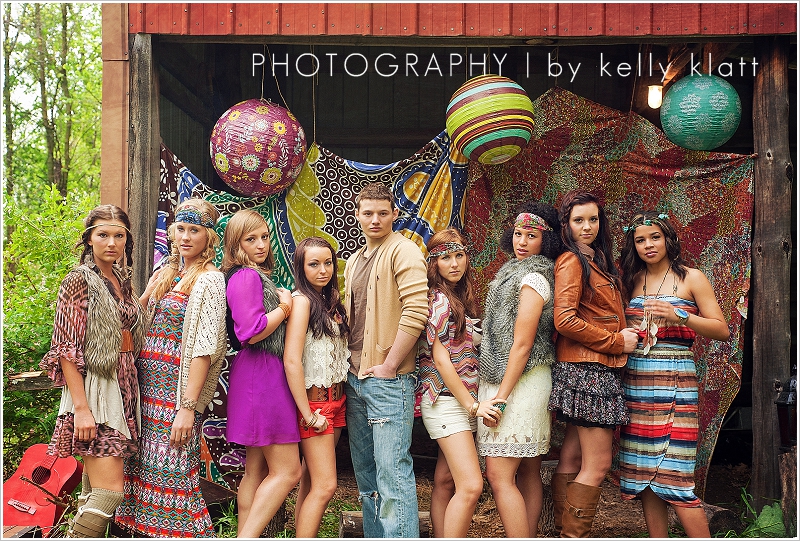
<point x="639" y="220"/>
<point x="444" y="249"/>
<point x="193" y="215"/>
<point x="109" y="225"/>
<point x="526" y="220"/>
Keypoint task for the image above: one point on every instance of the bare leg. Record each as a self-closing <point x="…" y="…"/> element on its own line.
<point x="281" y="478"/>
<point x="501" y="472"/>
<point x="255" y="470"/>
<point x="442" y="493"/>
<point x="466" y="471"/>
<point x="529" y="481"/>
<point x="655" y="513"/>
<point x="319" y="454"/>
<point x="694" y="521"/>
<point x="569" y="459"/>
<point x="105" y="472"/>
<point x="596" y="462"/>
<point x="303" y="488"/>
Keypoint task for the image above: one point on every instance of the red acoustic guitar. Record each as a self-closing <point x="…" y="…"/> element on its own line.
<point x="23" y="503"/>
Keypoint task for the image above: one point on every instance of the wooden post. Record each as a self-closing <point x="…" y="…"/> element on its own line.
<point x="114" y="107"/>
<point x="771" y="260"/>
<point x="145" y="156"/>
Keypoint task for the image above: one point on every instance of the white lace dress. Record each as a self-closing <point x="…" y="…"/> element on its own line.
<point x="524" y="428"/>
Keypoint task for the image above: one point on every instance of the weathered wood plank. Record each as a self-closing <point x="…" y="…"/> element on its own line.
<point x="770" y="305"/>
<point x="36" y="380"/>
<point x="351" y="524"/>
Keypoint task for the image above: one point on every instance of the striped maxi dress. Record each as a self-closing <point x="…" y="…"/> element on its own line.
<point x="659" y="447"/>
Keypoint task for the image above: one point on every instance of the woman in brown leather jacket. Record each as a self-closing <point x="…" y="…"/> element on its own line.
<point x="591" y="349"/>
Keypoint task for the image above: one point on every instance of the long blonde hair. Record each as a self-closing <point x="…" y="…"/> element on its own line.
<point x="167" y="276"/>
<point x="240" y="224"/>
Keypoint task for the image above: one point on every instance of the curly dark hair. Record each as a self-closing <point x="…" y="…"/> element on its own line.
<point x="603" y="255"/>
<point x="629" y="260"/>
<point x="552" y="246"/>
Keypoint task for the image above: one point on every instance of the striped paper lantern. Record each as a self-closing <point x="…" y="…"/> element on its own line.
<point x="490" y="119"/>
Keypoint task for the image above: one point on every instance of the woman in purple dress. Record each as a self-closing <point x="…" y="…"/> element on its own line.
<point x="262" y="414"/>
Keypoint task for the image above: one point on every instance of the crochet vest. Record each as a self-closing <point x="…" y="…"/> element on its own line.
<point x="502" y="305"/>
<point x="274" y="342"/>
<point x="103" y="328"/>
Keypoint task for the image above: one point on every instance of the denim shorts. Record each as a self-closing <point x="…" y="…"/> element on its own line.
<point x="445" y="417"/>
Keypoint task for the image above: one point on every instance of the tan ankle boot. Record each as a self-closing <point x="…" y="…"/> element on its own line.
<point x="558" y="485"/>
<point x="579" y="509"/>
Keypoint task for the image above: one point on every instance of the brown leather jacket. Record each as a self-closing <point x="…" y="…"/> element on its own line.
<point x="588" y="328"/>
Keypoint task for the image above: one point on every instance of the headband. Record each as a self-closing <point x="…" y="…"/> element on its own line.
<point x="193" y="215"/>
<point x="444" y="249"/>
<point x="527" y="220"/>
<point x="639" y="220"/>
<point x="109" y="225"/>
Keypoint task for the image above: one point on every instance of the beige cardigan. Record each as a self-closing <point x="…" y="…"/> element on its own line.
<point x="204" y="333"/>
<point x="397" y="298"/>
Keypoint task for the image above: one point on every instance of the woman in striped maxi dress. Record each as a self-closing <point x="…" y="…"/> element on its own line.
<point x="670" y="303"/>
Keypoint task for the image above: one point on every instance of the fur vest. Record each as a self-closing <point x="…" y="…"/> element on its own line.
<point x="502" y="305"/>
<point x="274" y="342"/>
<point x="103" y="330"/>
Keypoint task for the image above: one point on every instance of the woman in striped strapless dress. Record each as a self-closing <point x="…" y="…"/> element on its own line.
<point x="670" y="303"/>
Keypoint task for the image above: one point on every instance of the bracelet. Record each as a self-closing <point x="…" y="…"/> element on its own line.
<point x="473" y="410"/>
<point x="188" y="403"/>
<point x="314" y="419"/>
<point x="286" y="310"/>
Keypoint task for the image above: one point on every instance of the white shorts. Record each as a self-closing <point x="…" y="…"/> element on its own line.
<point x="445" y="417"/>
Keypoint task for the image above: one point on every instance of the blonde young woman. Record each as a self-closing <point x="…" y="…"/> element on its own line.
<point x="178" y="370"/>
<point x="261" y="411"/>
<point x="316" y="361"/>
<point x="448" y="381"/>
<point x="97" y="335"/>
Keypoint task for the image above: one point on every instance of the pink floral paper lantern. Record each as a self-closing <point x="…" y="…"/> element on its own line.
<point x="258" y="147"/>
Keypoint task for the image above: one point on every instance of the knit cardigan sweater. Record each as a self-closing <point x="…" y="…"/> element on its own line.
<point x="101" y="353"/>
<point x="204" y="333"/>
<point x="502" y="306"/>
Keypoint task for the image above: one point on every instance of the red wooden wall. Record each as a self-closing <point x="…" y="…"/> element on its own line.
<point x="469" y="20"/>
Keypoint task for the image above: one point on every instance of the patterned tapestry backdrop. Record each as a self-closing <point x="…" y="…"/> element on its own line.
<point x="632" y="166"/>
<point x="576" y="143"/>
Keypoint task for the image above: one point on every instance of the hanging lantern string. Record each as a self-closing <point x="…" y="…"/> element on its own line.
<point x="314" y="81"/>
<point x="262" y="74"/>
<point x="277" y="84"/>
<point x="555" y="81"/>
<point x="629" y="120"/>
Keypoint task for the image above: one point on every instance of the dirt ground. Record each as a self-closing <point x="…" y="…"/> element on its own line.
<point x="615" y="519"/>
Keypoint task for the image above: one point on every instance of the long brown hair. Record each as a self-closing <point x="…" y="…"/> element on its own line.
<point x="239" y="225"/>
<point x="191" y="274"/>
<point x="461" y="297"/>
<point x="326" y="305"/>
<point x="109" y="212"/>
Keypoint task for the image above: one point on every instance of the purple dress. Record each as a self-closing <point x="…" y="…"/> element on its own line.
<point x="261" y="409"/>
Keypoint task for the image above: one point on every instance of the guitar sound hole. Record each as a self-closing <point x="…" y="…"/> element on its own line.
<point x="40" y="475"/>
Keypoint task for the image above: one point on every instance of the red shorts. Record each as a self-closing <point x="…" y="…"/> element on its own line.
<point x="333" y="410"/>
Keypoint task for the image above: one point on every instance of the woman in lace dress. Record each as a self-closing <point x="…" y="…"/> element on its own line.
<point x="516" y="354"/>
<point x="316" y="363"/>
<point x="448" y="382"/>
<point x="178" y="370"/>
<point x="97" y="334"/>
<point x="261" y="411"/>
<point x="658" y="447"/>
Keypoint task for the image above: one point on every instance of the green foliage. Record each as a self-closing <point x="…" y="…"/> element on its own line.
<point x="36" y="258"/>
<point x="225" y="526"/>
<point x="330" y="520"/>
<point x="768" y="523"/>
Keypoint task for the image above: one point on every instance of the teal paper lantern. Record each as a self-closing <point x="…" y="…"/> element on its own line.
<point x="701" y="112"/>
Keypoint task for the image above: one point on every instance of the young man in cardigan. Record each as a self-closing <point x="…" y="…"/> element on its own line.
<point x="386" y="298"/>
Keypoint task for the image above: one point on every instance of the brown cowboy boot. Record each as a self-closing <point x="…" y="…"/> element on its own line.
<point x="558" y="485"/>
<point x="579" y="509"/>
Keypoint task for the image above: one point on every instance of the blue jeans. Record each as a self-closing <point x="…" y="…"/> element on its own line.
<point x="380" y="416"/>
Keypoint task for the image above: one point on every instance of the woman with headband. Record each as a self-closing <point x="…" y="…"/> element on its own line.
<point x="670" y="304"/>
<point x="592" y="348"/>
<point x="448" y="381"/>
<point x="178" y="370"/>
<point x="97" y="334"/>
<point x="516" y="354"/>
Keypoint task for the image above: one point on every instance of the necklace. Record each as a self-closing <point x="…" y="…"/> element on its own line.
<point x="648" y="324"/>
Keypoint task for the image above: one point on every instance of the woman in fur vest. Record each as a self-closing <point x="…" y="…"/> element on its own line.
<point x="97" y="335"/>
<point x="178" y="370"/>
<point x="516" y="354"/>
<point x="262" y="414"/>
